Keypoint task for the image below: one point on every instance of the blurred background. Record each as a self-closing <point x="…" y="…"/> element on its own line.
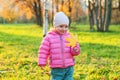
<point x="93" y="12"/>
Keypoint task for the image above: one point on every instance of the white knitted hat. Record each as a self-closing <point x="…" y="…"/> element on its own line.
<point x="60" y="18"/>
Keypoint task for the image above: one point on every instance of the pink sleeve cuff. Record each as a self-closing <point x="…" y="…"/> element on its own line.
<point x="41" y="64"/>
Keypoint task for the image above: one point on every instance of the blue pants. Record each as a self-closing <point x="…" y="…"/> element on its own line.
<point x="62" y="73"/>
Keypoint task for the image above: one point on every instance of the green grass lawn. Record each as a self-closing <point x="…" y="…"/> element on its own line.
<point x="19" y="43"/>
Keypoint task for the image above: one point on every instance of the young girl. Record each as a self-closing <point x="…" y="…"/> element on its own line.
<point x="54" y="47"/>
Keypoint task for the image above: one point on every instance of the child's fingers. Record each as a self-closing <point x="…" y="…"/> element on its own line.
<point x="76" y="49"/>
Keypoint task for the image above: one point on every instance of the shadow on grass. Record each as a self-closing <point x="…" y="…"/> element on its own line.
<point x="20" y="42"/>
<point x="85" y="28"/>
<point x="12" y="39"/>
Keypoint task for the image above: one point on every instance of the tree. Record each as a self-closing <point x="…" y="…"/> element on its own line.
<point x="115" y="12"/>
<point x="70" y="8"/>
<point x="29" y="8"/>
<point x="102" y="11"/>
<point x="108" y="8"/>
<point x="91" y="15"/>
<point x="6" y="13"/>
<point x="70" y="2"/>
<point x="33" y="6"/>
<point x="9" y="15"/>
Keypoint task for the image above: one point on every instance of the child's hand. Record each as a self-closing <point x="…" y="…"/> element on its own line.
<point x="72" y="40"/>
<point x="75" y="49"/>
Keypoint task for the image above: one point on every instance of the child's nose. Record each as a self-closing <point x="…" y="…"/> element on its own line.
<point x="65" y="28"/>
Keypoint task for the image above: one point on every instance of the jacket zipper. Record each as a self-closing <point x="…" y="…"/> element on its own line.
<point x="51" y="58"/>
<point x="62" y="51"/>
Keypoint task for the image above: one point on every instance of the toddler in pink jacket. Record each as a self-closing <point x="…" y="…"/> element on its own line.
<point x="54" y="48"/>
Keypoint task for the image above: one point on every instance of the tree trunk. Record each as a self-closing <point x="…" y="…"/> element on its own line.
<point x="62" y="3"/>
<point x="52" y="10"/>
<point x="119" y="5"/>
<point x="100" y="16"/>
<point x="38" y="13"/>
<point x="108" y="16"/>
<point x="70" y="10"/>
<point x="104" y="15"/>
<point x="57" y="9"/>
<point x="102" y="20"/>
<point x="96" y="13"/>
<point x="91" y="17"/>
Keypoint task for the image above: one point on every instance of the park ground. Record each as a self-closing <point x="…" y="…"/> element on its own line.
<point x="19" y="43"/>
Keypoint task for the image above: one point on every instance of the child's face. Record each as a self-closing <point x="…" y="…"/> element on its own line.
<point x="61" y="29"/>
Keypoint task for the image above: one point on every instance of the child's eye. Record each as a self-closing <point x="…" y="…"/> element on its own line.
<point x="66" y="26"/>
<point x="61" y="26"/>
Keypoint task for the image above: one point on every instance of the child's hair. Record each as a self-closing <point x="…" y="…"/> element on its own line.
<point x="60" y="18"/>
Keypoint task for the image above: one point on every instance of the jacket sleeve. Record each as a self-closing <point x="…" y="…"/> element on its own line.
<point x="73" y="52"/>
<point x="43" y="52"/>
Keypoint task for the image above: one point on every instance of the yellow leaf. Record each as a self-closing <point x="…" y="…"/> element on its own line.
<point x="72" y="40"/>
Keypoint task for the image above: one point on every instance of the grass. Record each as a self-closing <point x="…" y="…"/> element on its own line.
<point x="19" y="43"/>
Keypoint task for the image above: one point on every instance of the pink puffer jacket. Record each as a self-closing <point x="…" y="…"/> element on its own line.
<point x="54" y="47"/>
